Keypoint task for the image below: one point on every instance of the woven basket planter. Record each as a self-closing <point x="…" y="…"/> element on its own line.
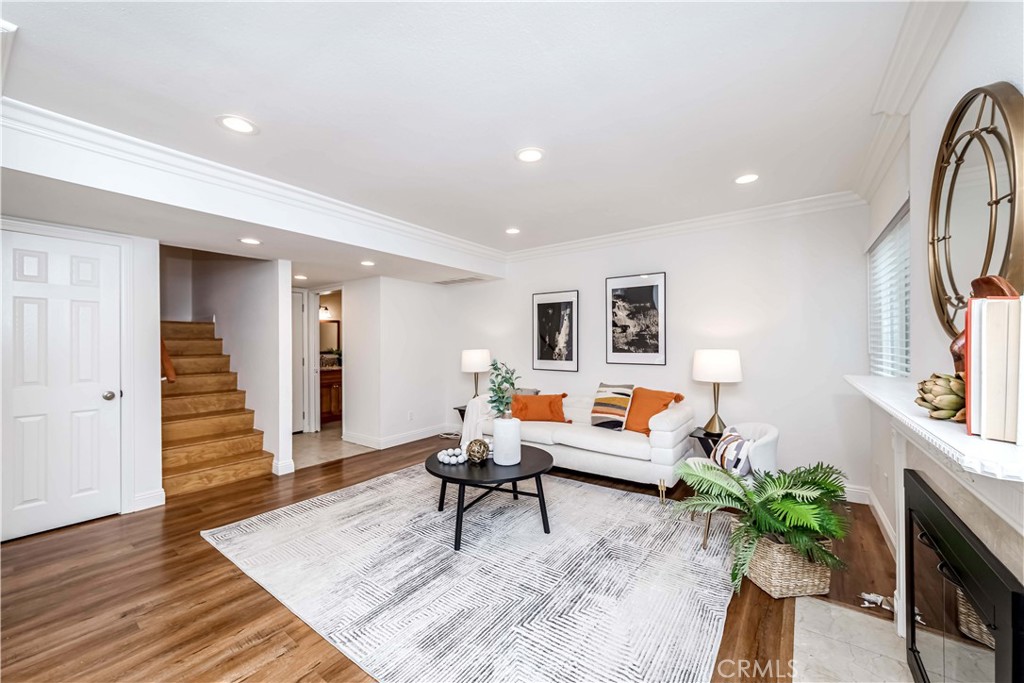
<point x="782" y="572"/>
<point x="970" y="624"/>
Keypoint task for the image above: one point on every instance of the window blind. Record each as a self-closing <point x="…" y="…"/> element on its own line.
<point x="889" y="297"/>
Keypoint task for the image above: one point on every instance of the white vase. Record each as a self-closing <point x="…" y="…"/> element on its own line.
<point x="506" y="441"/>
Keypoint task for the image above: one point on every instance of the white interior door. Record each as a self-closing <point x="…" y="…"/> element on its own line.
<point x="61" y="382"/>
<point x="298" y="368"/>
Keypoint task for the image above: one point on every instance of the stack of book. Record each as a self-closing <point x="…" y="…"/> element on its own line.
<point x="993" y="368"/>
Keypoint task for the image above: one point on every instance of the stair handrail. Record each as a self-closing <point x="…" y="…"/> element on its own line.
<point x="166" y="367"/>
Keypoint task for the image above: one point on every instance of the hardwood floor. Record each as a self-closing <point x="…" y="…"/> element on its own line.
<point x="143" y="597"/>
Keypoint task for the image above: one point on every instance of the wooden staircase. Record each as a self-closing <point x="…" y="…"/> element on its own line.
<point x="208" y="434"/>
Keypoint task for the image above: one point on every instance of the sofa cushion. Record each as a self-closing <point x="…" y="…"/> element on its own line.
<point x="577" y="408"/>
<point x="601" y="440"/>
<point x="533" y="432"/>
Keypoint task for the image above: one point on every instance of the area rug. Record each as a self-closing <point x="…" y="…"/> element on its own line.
<point x="620" y="590"/>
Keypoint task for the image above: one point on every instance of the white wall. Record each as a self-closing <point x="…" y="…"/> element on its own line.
<point x="251" y="303"/>
<point x="175" y="283"/>
<point x="985" y="47"/>
<point x="415" y="334"/>
<point x="361" y="378"/>
<point x="789" y="293"/>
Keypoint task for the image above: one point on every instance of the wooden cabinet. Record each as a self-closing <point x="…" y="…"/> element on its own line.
<point x="330" y="396"/>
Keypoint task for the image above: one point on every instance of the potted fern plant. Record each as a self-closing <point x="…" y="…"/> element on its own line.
<point x="507" y="445"/>
<point x="785" y="523"/>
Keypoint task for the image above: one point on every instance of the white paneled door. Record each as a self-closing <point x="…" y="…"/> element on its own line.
<point x="61" y="382"/>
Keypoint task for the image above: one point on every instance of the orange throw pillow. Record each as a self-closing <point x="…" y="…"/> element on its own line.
<point x="542" y="408"/>
<point x="646" y="404"/>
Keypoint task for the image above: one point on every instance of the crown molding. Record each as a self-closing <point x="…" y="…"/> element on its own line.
<point x="790" y="209"/>
<point x="923" y="35"/>
<point x="64" y="130"/>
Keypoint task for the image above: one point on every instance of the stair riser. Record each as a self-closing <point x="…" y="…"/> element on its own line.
<point x="186" y="330"/>
<point x="207" y="426"/>
<point x="194" y="347"/>
<point x="176" y="406"/>
<point x="184" y="455"/>
<point x="197" y="481"/>
<point x="197" y="384"/>
<point x="185" y="365"/>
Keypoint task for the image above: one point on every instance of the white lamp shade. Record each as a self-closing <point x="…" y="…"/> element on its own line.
<point x="717" y="365"/>
<point x="476" y="360"/>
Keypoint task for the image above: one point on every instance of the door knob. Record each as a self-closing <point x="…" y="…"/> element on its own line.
<point x="109" y="395"/>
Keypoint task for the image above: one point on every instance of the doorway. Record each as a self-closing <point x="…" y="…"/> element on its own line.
<point x="324" y="375"/>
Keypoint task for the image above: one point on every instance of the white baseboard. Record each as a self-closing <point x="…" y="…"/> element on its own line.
<point x="883" y="522"/>
<point x="362" y="439"/>
<point x="858" y="494"/>
<point x="149" y="499"/>
<point x="281" y="468"/>
<point x="416" y="435"/>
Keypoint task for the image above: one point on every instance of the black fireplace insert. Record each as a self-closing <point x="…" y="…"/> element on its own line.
<point x="964" y="610"/>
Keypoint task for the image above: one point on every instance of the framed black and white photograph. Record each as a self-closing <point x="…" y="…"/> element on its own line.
<point x="635" y="312"/>
<point x="555" y="324"/>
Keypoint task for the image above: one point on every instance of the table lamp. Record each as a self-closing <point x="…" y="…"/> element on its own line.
<point x="476" y="361"/>
<point x="717" y="366"/>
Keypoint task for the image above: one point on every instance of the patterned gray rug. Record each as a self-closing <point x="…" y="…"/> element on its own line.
<point x="619" y="591"/>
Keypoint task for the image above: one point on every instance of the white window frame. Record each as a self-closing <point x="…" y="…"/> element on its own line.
<point x="889" y="298"/>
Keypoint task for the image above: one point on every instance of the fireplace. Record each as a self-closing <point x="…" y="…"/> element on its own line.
<point x="964" y="610"/>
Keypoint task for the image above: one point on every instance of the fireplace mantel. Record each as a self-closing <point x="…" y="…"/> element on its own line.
<point x="971" y="453"/>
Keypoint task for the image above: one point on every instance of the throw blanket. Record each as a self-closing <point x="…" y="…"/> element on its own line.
<point x="477" y="411"/>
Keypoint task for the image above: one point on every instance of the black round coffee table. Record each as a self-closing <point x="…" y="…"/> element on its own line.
<point x="491" y="477"/>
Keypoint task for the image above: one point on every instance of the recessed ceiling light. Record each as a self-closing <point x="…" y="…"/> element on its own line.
<point x="748" y="178"/>
<point x="301" y="277"/>
<point x="367" y="263"/>
<point x="250" y="240"/>
<point x="530" y="154"/>
<point x="238" y="124"/>
<point x="512" y="231"/>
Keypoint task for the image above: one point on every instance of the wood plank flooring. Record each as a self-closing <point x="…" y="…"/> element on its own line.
<point x="143" y="597"/>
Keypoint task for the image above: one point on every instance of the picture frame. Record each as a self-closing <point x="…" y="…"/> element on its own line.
<point x="635" y="319"/>
<point x="556" y="331"/>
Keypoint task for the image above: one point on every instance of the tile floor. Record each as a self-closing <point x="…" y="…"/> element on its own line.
<point x="317" y="448"/>
<point x="834" y="642"/>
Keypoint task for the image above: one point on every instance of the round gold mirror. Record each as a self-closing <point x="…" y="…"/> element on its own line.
<point x="974" y="225"/>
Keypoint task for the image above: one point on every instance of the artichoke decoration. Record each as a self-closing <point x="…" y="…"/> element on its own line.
<point x="943" y="397"/>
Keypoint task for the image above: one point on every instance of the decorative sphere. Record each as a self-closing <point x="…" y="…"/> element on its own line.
<point x="476" y="450"/>
<point x="463" y="458"/>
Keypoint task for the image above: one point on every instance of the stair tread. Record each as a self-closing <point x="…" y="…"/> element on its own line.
<point x="208" y="415"/>
<point x="227" y="392"/>
<point x="211" y="438"/>
<point x="214" y="463"/>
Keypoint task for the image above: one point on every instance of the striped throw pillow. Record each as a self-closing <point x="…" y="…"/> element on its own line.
<point x="611" y="406"/>
<point x="733" y="453"/>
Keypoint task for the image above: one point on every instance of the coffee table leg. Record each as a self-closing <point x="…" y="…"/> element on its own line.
<point x="515" y="490"/>
<point x="444" y="489"/>
<point x="458" y="516"/>
<point x="543" y="507"/>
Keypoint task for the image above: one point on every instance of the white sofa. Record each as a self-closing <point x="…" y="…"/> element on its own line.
<point x="622" y="455"/>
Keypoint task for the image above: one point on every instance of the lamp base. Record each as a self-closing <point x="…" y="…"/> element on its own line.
<point x="715" y="425"/>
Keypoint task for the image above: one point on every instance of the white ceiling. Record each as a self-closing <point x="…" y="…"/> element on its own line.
<point x="647" y="111"/>
<point x="324" y="262"/>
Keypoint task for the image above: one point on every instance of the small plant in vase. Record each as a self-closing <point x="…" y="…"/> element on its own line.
<point x="782" y="535"/>
<point x="502" y="387"/>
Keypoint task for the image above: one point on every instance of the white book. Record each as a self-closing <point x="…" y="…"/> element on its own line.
<point x="1013" y="360"/>
<point x="994" y="323"/>
<point x="1020" y="377"/>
